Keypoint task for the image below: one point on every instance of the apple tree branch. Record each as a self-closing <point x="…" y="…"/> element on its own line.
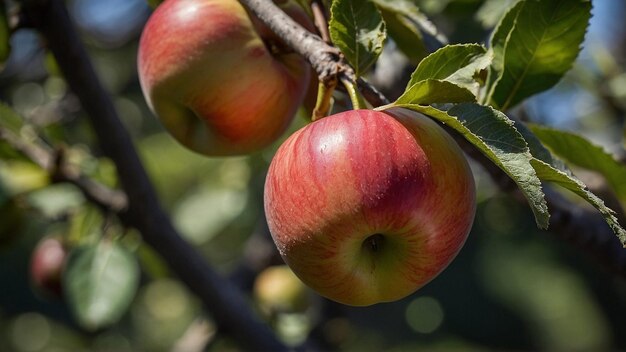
<point x="55" y="163"/>
<point x="326" y="60"/>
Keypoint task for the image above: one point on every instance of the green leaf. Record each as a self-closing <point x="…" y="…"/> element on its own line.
<point x="538" y="150"/>
<point x="358" y="30"/>
<point x="496" y="46"/>
<point x="552" y="169"/>
<point x="22" y="177"/>
<point x="408" y="27"/>
<point x="492" y="11"/>
<point x="578" y="151"/>
<point x="10" y="119"/>
<point x="433" y="91"/>
<point x="541" y="46"/>
<point x="457" y="64"/>
<point x="85" y="224"/>
<point x="198" y="225"/>
<point x="100" y="282"/>
<point x="5" y="35"/>
<point x="56" y="199"/>
<point x="406" y="35"/>
<point x="494" y="135"/>
<point x="550" y="174"/>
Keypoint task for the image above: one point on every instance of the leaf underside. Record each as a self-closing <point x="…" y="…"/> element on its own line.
<point x="578" y="151"/>
<point x="551" y="169"/>
<point x="358" y="30"/>
<point x="101" y="280"/>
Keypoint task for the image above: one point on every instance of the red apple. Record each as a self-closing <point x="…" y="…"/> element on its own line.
<point x="46" y="265"/>
<point x="367" y="207"/>
<point x="220" y="82"/>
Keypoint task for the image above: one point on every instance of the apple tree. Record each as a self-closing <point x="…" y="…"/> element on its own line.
<point x="312" y="174"/>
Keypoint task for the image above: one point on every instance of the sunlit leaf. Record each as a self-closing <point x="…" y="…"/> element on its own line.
<point x="433" y="91"/>
<point x="408" y="27"/>
<point x="456" y="64"/>
<point x="406" y="35"/>
<point x="199" y="225"/>
<point x="541" y="46"/>
<point x="496" y="46"/>
<point x="492" y="10"/>
<point x="579" y="151"/>
<point x="551" y="169"/>
<point x="358" y="30"/>
<point x="18" y="176"/>
<point x="85" y="224"/>
<point x="550" y="174"/>
<point x="100" y="282"/>
<point x="56" y="200"/>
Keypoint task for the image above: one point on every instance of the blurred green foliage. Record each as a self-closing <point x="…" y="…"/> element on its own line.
<point x="512" y="287"/>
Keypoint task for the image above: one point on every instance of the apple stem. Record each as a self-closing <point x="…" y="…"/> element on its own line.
<point x="355" y="96"/>
<point x="324" y="97"/>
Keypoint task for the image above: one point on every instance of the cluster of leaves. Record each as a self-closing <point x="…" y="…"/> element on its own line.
<point x="469" y="87"/>
<point x="101" y="274"/>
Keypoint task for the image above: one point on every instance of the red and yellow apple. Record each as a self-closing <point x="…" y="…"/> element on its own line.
<point x="46" y="266"/>
<point x="219" y="80"/>
<point x="367" y="207"/>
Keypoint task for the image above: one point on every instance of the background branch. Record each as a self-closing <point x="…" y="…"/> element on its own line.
<point x="226" y="304"/>
<point x="54" y="162"/>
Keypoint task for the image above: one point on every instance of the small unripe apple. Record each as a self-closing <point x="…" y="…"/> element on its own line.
<point x="220" y="82"/>
<point x="278" y="290"/>
<point x="46" y="265"/>
<point x="367" y="207"/>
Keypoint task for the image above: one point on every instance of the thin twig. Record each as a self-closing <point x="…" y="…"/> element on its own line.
<point x="326" y="60"/>
<point x="320" y="19"/>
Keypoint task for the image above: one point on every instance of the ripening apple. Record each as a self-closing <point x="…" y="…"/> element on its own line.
<point x="277" y="290"/>
<point x="367" y="207"/>
<point x="46" y="266"/>
<point x="219" y="80"/>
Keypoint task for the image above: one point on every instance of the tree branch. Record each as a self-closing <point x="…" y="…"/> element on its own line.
<point x="227" y="305"/>
<point x="54" y="162"/>
<point x="326" y="60"/>
<point x="583" y="228"/>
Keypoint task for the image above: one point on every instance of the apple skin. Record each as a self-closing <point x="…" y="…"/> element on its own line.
<point x="46" y="266"/>
<point x="208" y="75"/>
<point x="367" y="207"/>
